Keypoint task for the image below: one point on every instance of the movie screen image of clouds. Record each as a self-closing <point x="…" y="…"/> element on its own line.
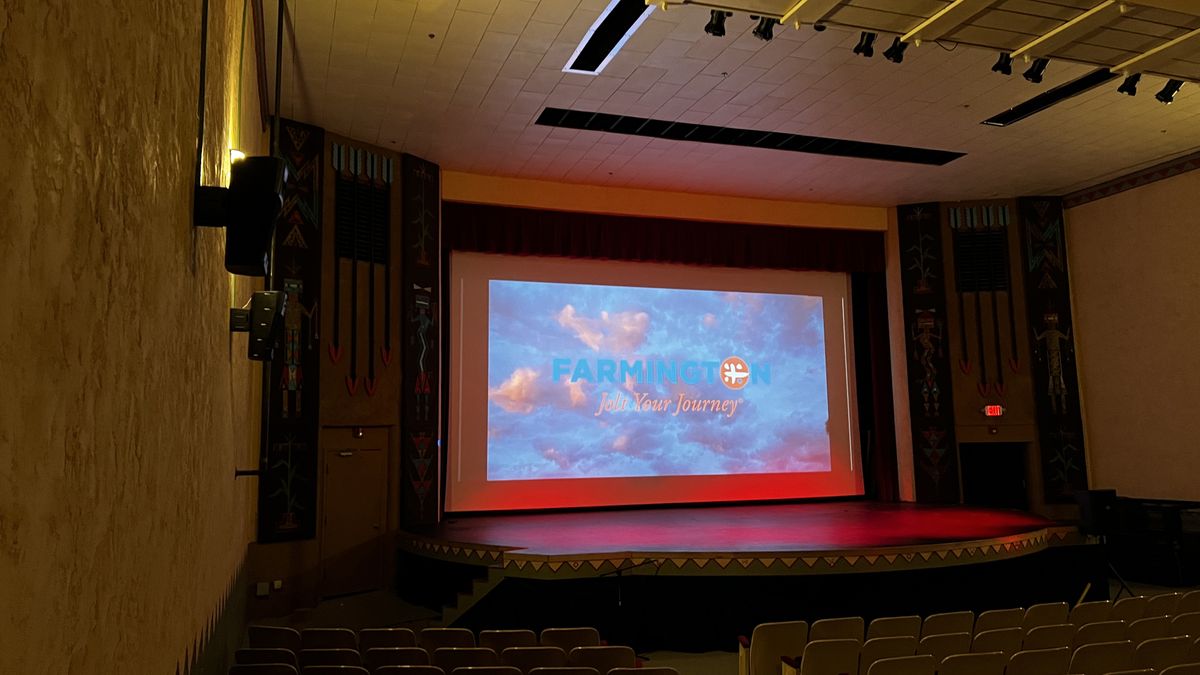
<point x="546" y="414"/>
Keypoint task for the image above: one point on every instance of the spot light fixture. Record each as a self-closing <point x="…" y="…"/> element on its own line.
<point x="1167" y="95"/>
<point x="1003" y="64"/>
<point x="1129" y="86"/>
<point x="866" y="44"/>
<point x="765" y="29"/>
<point x="716" y="23"/>
<point x="1037" y="70"/>
<point x="895" y="53"/>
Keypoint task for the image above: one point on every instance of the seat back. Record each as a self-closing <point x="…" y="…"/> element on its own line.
<point x="1164" y="604"/>
<point x="1129" y="609"/>
<point x="1040" y="662"/>
<point x="602" y="659"/>
<point x="1194" y="653"/>
<point x="894" y="626"/>
<point x="263" y="669"/>
<point x="1102" y="658"/>
<point x="1148" y="628"/>
<point x="770" y="641"/>
<point x="328" y="638"/>
<point x="1090" y="612"/>
<point x="1045" y="614"/>
<point x="830" y="656"/>
<point x="1049" y="637"/>
<point x="499" y="640"/>
<point x="408" y="670"/>
<point x="335" y="670"/>
<point x="265" y="655"/>
<point x="842" y="628"/>
<point x="1189" y="602"/>
<point x="1160" y="653"/>
<point x="879" y="648"/>
<point x="994" y="619"/>
<point x="567" y="639"/>
<point x="1006" y="640"/>
<point x="528" y="658"/>
<point x="329" y="657"/>
<point x="655" y="670"/>
<point x="904" y="665"/>
<point x="1101" y="631"/>
<point x="274" y="636"/>
<point x="486" y="670"/>
<point x="1186" y="624"/>
<point x="948" y="622"/>
<point x="1185" y="669"/>
<point x="433" y="639"/>
<point x="377" y="657"/>
<point x="567" y="670"/>
<point x="372" y="638"/>
<point x="941" y="646"/>
<point x="986" y="663"/>
<point x="449" y="658"/>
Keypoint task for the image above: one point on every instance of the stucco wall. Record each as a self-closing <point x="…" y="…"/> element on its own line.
<point x="124" y="404"/>
<point x="1135" y="279"/>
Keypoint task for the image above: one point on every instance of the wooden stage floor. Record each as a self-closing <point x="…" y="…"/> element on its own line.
<point x="827" y="537"/>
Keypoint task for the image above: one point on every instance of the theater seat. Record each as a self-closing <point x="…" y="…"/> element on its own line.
<point x="1102" y="631"/>
<point x="602" y="659"/>
<point x="1185" y="669"/>
<point x="328" y="638"/>
<point x="948" y="622"/>
<point x="822" y="657"/>
<point x="499" y="640"/>
<point x="1129" y="609"/>
<point x="1040" y="662"/>
<point x="1049" y="637"/>
<point x="449" y="658"/>
<point x="651" y="670"/>
<point x="1190" y="602"/>
<point x="528" y="658"/>
<point x="329" y="657"/>
<point x="263" y="669"/>
<point x="1102" y="658"/>
<point x="1006" y="640"/>
<point x="334" y="670"/>
<point x="904" y="665"/>
<point x="1045" y="614"/>
<point x="1090" y="612"/>
<point x="266" y="655"/>
<point x="761" y="653"/>
<point x="567" y="639"/>
<point x="486" y="670"/>
<point x="941" y="646"/>
<point x="1149" y="628"/>
<point x="1164" y="604"/>
<point x="409" y="670"/>
<point x="881" y="648"/>
<point x="378" y="657"/>
<point x="842" y="628"/>
<point x="433" y="639"/>
<point x="372" y="638"/>
<point x="987" y="663"/>
<point x="1186" y="624"/>
<point x="894" y="626"/>
<point x="566" y="670"/>
<point x="994" y="619"/>
<point x="1162" y="653"/>
<point x="274" y="636"/>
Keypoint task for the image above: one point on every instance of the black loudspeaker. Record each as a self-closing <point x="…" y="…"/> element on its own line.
<point x="1097" y="511"/>
<point x="263" y="320"/>
<point x="247" y="209"/>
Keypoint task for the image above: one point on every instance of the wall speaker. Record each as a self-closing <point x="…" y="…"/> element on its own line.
<point x="247" y="209"/>
<point x="263" y="320"/>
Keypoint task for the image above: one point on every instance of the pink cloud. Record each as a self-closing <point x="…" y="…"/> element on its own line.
<point x="614" y="331"/>
<point x="518" y="393"/>
<point x="709" y="320"/>
<point x="575" y="393"/>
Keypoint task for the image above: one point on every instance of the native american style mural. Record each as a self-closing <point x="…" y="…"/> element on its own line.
<point x="929" y="389"/>
<point x="1056" y="384"/>
<point x="420" y="328"/>
<point x="287" y="494"/>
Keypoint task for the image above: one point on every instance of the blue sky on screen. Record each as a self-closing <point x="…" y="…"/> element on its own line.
<point x="542" y="428"/>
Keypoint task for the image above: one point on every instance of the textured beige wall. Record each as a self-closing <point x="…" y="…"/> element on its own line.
<point x="1135" y="279"/>
<point x="124" y="404"/>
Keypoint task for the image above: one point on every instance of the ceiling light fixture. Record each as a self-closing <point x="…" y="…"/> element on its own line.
<point x="895" y="53"/>
<point x="1167" y="95"/>
<point x="1129" y="86"/>
<point x="716" y="23"/>
<point x="1037" y="70"/>
<point x="866" y="44"/>
<point x="1003" y="64"/>
<point x="765" y="29"/>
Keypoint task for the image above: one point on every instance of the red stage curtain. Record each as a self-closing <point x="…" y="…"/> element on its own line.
<point x="486" y="228"/>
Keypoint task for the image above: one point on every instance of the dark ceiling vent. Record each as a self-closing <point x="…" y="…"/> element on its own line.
<point x="619" y="20"/>
<point x="1051" y="98"/>
<point x="747" y="138"/>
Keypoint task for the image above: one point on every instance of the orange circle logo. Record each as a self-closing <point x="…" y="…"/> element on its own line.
<point x="734" y="373"/>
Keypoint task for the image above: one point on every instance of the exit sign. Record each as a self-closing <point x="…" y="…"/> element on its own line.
<point x="993" y="411"/>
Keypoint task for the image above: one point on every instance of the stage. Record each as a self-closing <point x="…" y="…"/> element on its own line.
<point x="692" y="578"/>
<point x="809" y="538"/>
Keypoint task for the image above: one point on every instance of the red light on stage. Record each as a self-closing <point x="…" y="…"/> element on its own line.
<point x="993" y="410"/>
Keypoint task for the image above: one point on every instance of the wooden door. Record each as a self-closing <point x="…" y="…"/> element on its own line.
<point x="354" y="508"/>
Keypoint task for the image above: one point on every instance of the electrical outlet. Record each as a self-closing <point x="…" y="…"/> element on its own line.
<point x="262" y="589"/>
<point x="278" y="584"/>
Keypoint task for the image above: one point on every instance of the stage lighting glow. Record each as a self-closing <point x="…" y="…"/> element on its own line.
<point x="1167" y="94"/>
<point x="1036" y="71"/>
<point x="1129" y="86"/>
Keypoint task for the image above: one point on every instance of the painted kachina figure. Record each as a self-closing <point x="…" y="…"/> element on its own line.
<point x="927" y="336"/>
<point x="1054" y="338"/>
<point x="422" y="317"/>
<point x="292" y="380"/>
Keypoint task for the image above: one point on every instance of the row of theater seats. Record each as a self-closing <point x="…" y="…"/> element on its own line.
<point x="1055" y="631"/>
<point x="315" y="651"/>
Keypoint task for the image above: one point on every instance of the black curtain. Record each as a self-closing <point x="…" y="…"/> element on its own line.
<point x="486" y="228"/>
